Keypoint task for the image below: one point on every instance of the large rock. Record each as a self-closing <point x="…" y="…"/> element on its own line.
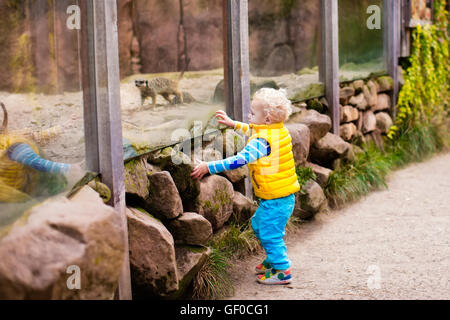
<point x="163" y="200"/>
<point x="236" y="175"/>
<point x="300" y="136"/>
<point x="358" y="85"/>
<point x="383" y="103"/>
<point x="385" y="83"/>
<point x="310" y="201"/>
<point x="180" y="167"/>
<point x="152" y="255"/>
<point x="322" y="174"/>
<point x="384" y="122"/>
<point x="319" y="124"/>
<point x="190" y="228"/>
<point x="348" y="131"/>
<point x="42" y="252"/>
<point x="190" y="259"/>
<point x="327" y="149"/>
<point x="136" y="180"/>
<point x="215" y="200"/>
<point x="349" y="114"/>
<point x="345" y="94"/>
<point x="359" y="102"/>
<point x="369" y="122"/>
<point x="243" y="207"/>
<point x="371" y="95"/>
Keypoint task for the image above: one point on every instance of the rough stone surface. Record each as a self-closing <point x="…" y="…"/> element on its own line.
<point x="300" y="135"/>
<point x="190" y="228"/>
<point x="358" y="86"/>
<point x="370" y="92"/>
<point x="359" y="102"/>
<point x="310" y="201"/>
<point x="384" y="122"/>
<point x="41" y="246"/>
<point x="323" y="174"/>
<point x="384" y="102"/>
<point x="385" y="83"/>
<point x="243" y="207"/>
<point x="237" y="175"/>
<point x="215" y="200"/>
<point x="349" y="114"/>
<point x="152" y="255"/>
<point x="180" y="167"/>
<point x="328" y="149"/>
<point x="136" y="179"/>
<point x="369" y="122"/>
<point x="163" y="200"/>
<point x="345" y="93"/>
<point x="319" y="124"/>
<point x="348" y="131"/>
<point x="190" y="260"/>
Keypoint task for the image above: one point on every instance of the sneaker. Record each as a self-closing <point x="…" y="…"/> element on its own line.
<point x="276" y="277"/>
<point x="263" y="268"/>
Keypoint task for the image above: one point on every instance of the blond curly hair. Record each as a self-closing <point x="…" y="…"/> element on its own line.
<point x="276" y="104"/>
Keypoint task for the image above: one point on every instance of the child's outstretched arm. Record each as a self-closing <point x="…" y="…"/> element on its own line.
<point x="254" y="150"/>
<point x="240" y="127"/>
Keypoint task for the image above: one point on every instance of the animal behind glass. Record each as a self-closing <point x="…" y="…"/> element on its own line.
<point x="161" y="86"/>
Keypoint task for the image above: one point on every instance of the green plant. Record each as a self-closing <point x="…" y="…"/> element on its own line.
<point x="424" y="98"/>
<point x="304" y="174"/>
<point x="213" y="280"/>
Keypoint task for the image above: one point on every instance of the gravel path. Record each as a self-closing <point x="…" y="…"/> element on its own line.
<point x="393" y="244"/>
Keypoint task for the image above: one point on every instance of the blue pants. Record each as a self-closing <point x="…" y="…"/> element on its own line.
<point x="268" y="223"/>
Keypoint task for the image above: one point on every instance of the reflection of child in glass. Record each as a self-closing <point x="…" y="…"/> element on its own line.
<point x="20" y="162"/>
<point x="274" y="179"/>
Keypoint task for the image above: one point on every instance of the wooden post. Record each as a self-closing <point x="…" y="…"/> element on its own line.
<point x="103" y="124"/>
<point x="237" y="64"/>
<point x="391" y="21"/>
<point x="236" y="58"/>
<point x="330" y="59"/>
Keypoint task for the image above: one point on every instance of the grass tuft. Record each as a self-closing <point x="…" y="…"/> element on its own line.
<point x="234" y="241"/>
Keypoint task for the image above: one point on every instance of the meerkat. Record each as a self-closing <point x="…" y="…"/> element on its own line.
<point x="161" y="86"/>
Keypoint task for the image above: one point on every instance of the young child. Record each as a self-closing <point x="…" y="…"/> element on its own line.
<point x="274" y="179"/>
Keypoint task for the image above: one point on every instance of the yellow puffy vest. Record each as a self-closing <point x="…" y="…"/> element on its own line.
<point x="16" y="180"/>
<point x="274" y="176"/>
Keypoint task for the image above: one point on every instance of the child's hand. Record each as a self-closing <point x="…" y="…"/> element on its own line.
<point x="200" y="170"/>
<point x="226" y="120"/>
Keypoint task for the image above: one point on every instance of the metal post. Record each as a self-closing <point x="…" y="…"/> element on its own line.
<point x="391" y="20"/>
<point x="103" y="124"/>
<point x="237" y="64"/>
<point x="330" y="59"/>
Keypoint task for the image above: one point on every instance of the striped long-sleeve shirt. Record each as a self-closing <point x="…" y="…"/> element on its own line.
<point x="24" y="154"/>
<point x="254" y="150"/>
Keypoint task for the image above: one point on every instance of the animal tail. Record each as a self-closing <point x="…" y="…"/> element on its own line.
<point x="5" y="118"/>
<point x="184" y="69"/>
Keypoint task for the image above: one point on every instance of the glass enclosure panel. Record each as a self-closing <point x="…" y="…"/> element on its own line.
<point x="158" y="41"/>
<point x="42" y="136"/>
<point x="360" y="39"/>
<point x="285" y="46"/>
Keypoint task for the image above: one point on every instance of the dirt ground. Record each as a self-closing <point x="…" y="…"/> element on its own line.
<point x="393" y="244"/>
